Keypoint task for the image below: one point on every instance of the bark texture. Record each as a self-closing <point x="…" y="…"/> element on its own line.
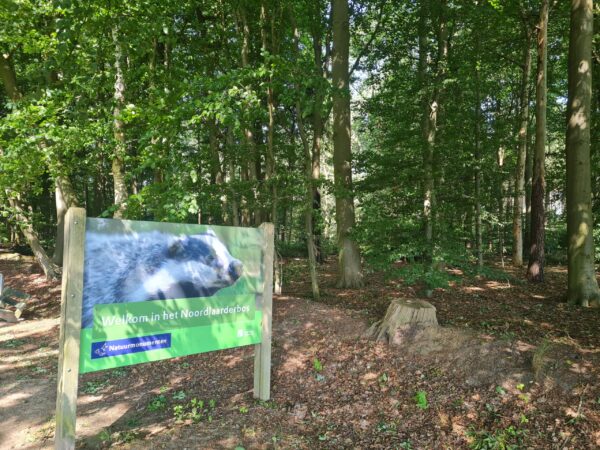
<point x="582" y="283"/>
<point x="403" y="313"/>
<point x="65" y="198"/>
<point x="350" y="271"/>
<point x="519" y="197"/>
<point x="535" y="269"/>
<point x="118" y="162"/>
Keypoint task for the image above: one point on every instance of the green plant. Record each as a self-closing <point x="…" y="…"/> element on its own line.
<point x="158" y="403"/>
<point x="317" y="365"/>
<point x="179" y="395"/>
<point x="194" y="410"/>
<point x="93" y="387"/>
<point x="509" y="438"/>
<point x="126" y="437"/>
<point x="406" y="445"/>
<point x="386" y="427"/>
<point x="421" y="400"/>
<point x="133" y="422"/>
<point x="12" y="343"/>
<point x="243" y="409"/>
<point x="105" y="436"/>
<point x="119" y="372"/>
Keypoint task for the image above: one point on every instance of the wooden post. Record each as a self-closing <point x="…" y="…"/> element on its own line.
<point x="262" y="352"/>
<point x="70" y="328"/>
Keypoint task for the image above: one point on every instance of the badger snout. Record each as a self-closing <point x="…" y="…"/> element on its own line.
<point x="235" y="270"/>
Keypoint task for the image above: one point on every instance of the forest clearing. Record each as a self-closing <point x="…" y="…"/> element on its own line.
<point x="332" y="387"/>
<point x="300" y="224"/>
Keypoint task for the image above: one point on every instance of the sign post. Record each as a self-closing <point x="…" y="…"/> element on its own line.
<point x="136" y="292"/>
<point x="262" y="353"/>
<point x="70" y="326"/>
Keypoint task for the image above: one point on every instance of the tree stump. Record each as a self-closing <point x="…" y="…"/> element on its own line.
<point x="402" y="314"/>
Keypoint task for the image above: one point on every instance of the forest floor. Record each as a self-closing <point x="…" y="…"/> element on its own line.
<point x="513" y="365"/>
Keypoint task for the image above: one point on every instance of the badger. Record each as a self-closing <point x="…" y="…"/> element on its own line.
<point x="136" y="267"/>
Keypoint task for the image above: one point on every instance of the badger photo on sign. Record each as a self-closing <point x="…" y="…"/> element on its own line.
<point x="139" y="266"/>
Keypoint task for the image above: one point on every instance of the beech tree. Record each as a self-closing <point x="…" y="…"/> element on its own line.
<point x="535" y="269"/>
<point x="582" y="284"/>
<point x="350" y="272"/>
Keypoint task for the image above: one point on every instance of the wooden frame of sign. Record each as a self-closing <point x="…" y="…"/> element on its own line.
<point x="70" y="326"/>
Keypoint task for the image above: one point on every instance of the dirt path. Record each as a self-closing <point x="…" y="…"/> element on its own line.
<point x="513" y="365"/>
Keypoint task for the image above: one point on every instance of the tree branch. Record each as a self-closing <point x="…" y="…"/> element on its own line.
<point x="380" y="21"/>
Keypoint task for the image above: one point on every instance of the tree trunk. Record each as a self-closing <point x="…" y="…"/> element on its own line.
<point x="519" y="197"/>
<point x="309" y="172"/>
<point x="427" y="130"/>
<point x="535" y="270"/>
<point x="402" y="314"/>
<point x="270" y="180"/>
<point x="478" y="224"/>
<point x="118" y="162"/>
<point x="251" y="213"/>
<point x="582" y="283"/>
<point x="65" y="198"/>
<point x="309" y="210"/>
<point x="51" y="271"/>
<point x="235" y="208"/>
<point x="9" y="80"/>
<point x="318" y="129"/>
<point x="431" y="100"/>
<point x="350" y="272"/>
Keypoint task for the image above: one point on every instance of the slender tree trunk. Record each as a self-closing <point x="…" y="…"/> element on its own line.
<point x="269" y="49"/>
<point x="519" y="197"/>
<point x="65" y="198"/>
<point x="582" y="283"/>
<point x="528" y="176"/>
<point x="535" y="270"/>
<point x="235" y="208"/>
<point x="350" y="272"/>
<point x="318" y="130"/>
<point x="478" y="224"/>
<point x="427" y="130"/>
<point x="308" y="215"/>
<point x="9" y="79"/>
<point x="51" y="271"/>
<point x="309" y="172"/>
<point x="118" y="162"/>
<point x="251" y="213"/>
<point x="431" y="101"/>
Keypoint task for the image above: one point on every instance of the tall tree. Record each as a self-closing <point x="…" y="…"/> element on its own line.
<point x="519" y="197"/>
<point x="350" y="271"/>
<point x="582" y="284"/>
<point x="118" y="162"/>
<point x="535" y="270"/>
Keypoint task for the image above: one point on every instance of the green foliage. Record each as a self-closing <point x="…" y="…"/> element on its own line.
<point x="421" y="400"/>
<point x="412" y="274"/>
<point x="317" y="365"/>
<point x="509" y="438"/>
<point x="158" y="403"/>
<point x="93" y="387"/>
<point x="195" y="410"/>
